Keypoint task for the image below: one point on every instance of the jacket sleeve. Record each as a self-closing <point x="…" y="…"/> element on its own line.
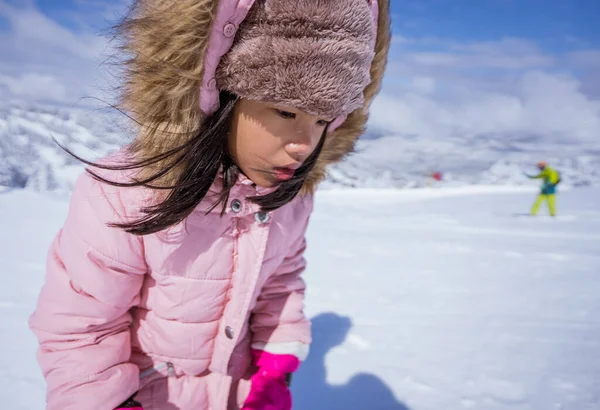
<point x="93" y="277"/>
<point x="278" y="323"/>
<point x="538" y="176"/>
<point x="545" y="174"/>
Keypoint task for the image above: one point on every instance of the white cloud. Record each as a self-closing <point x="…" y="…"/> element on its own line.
<point x="542" y="105"/>
<point x="505" y="54"/>
<point x="34" y="32"/>
<point x="585" y="59"/>
<point x="34" y="86"/>
<point x="398" y="39"/>
<point x="425" y="85"/>
<point x="44" y="60"/>
<point x="511" y="88"/>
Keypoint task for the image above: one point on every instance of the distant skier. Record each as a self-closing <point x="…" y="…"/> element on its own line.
<point x="551" y="178"/>
<point x="434" y="177"/>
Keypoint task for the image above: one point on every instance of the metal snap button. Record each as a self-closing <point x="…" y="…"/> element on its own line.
<point x="236" y="205"/>
<point x="262" y="217"/>
<point x="229" y="332"/>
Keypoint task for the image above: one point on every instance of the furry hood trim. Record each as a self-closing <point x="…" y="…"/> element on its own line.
<point x="174" y="49"/>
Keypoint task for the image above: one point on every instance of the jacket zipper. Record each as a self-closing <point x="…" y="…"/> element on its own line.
<point x="158" y="368"/>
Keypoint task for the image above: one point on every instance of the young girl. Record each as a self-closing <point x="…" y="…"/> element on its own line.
<point x="175" y="281"/>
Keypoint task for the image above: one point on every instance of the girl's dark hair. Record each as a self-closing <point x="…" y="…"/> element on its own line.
<point x="201" y="158"/>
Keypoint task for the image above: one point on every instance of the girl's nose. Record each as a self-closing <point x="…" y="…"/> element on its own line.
<point x="300" y="147"/>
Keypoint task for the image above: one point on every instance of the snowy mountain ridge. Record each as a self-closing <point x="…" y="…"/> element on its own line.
<point x="31" y="159"/>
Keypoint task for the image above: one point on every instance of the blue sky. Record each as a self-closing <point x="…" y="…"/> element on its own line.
<point x="495" y="65"/>
<point x="554" y="24"/>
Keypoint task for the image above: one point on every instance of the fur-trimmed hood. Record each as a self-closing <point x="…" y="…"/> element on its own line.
<point x="169" y="83"/>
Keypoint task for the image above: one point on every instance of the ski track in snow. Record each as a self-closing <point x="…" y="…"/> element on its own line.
<point x="421" y="300"/>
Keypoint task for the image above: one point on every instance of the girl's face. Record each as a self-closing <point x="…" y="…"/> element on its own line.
<point x="268" y="142"/>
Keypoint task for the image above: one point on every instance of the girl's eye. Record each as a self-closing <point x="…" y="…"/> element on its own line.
<point x="323" y="123"/>
<point x="286" y="114"/>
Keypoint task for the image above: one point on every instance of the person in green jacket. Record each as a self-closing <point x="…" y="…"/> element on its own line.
<point x="550" y="178"/>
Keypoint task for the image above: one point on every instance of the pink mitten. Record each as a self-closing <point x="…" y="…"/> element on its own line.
<point x="269" y="390"/>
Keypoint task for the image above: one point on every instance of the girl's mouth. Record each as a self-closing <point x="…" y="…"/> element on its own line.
<point x="284" y="174"/>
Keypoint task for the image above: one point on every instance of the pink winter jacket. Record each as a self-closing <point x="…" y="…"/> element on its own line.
<point x="172" y="315"/>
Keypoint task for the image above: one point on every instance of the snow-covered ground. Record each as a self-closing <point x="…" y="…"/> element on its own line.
<point x="423" y="299"/>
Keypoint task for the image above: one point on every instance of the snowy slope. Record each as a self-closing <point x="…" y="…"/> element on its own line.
<point x="403" y="161"/>
<point x="422" y="299"/>
<point x="29" y="157"/>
